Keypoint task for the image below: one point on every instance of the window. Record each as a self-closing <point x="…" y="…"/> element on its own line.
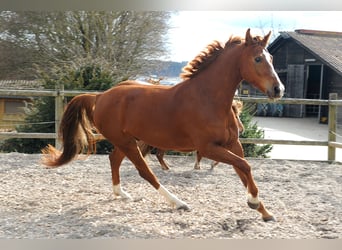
<point x="14" y="107"/>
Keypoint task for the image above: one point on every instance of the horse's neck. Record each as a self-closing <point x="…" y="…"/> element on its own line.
<point x="222" y="77"/>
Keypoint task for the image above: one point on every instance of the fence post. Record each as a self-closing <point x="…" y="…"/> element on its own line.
<point x="332" y="119"/>
<point x="59" y="100"/>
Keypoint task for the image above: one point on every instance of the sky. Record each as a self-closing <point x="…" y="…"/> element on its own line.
<point x="191" y="31"/>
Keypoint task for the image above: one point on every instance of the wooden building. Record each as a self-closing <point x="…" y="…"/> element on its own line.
<point x="309" y="63"/>
<point x="12" y="108"/>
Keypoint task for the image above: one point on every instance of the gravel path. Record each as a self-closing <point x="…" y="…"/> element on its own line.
<point x="76" y="201"/>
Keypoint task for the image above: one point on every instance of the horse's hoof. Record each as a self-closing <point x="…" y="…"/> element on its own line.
<point x="184" y="207"/>
<point x="269" y="218"/>
<point x="253" y="205"/>
<point x="165" y="167"/>
<point x="197" y="167"/>
<point x="127" y="198"/>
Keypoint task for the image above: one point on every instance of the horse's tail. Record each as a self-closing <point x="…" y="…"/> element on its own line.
<point x="75" y="132"/>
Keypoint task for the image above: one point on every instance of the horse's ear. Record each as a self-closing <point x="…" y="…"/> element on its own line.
<point x="248" y="38"/>
<point x="266" y="39"/>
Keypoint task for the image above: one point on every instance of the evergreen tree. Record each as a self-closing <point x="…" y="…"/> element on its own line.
<point x="252" y="131"/>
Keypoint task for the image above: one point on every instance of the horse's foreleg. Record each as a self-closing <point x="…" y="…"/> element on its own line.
<point x="198" y="159"/>
<point x="116" y="158"/>
<point x="132" y="152"/>
<point x="160" y="156"/>
<point x="266" y="215"/>
<point x="243" y="169"/>
<point x="221" y="154"/>
<point x="237" y="149"/>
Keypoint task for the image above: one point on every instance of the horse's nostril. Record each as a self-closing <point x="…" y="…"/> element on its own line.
<point x="276" y="90"/>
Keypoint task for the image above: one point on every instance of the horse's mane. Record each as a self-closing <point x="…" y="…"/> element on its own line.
<point x="206" y="57"/>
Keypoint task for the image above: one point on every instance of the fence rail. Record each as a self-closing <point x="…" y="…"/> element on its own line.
<point x="60" y="93"/>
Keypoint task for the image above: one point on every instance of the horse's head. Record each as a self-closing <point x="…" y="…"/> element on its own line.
<point x="256" y="66"/>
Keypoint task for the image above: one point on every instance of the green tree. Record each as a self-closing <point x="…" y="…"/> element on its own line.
<point x="16" y="62"/>
<point x="252" y="131"/>
<point x="40" y="114"/>
<point x="123" y="42"/>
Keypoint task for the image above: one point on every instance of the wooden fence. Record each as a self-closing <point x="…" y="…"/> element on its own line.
<point x="60" y="93"/>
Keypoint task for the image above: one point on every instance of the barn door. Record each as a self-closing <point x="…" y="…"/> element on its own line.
<point x="295" y="89"/>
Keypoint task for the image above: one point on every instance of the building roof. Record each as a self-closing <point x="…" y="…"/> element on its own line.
<point x="20" y="84"/>
<point x="326" y="45"/>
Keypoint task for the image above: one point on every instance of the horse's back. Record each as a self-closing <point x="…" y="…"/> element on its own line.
<point x="133" y="95"/>
<point x="143" y="111"/>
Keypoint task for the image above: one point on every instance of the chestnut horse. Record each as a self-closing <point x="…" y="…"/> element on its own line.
<point x="190" y="116"/>
<point x="234" y="134"/>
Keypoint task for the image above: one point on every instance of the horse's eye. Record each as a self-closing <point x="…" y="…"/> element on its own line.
<point x="258" y="59"/>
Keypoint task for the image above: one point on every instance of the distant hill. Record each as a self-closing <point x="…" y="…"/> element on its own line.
<point x="169" y="68"/>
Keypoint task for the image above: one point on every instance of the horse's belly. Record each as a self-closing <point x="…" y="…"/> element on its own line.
<point x="166" y="140"/>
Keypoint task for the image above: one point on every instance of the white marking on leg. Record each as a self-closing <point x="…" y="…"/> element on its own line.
<point x="172" y="199"/>
<point x="197" y="165"/>
<point x="253" y="200"/>
<point x="119" y="192"/>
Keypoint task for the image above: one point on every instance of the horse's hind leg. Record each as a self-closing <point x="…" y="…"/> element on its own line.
<point x="198" y="159"/>
<point x="160" y="156"/>
<point x="116" y="158"/>
<point x="214" y="164"/>
<point x="131" y="150"/>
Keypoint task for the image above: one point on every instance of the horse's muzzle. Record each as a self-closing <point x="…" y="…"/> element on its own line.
<point x="277" y="91"/>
